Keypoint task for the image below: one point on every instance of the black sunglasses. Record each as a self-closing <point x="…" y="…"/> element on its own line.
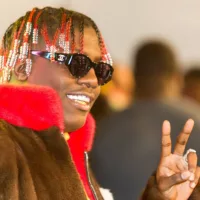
<point x="79" y="65"/>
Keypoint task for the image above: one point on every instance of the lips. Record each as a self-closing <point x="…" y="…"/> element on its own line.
<point x="81" y="101"/>
<point x="81" y="98"/>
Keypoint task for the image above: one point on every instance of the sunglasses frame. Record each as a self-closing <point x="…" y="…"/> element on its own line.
<point x="66" y="59"/>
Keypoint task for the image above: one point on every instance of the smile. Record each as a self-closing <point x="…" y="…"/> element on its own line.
<point x="80" y="101"/>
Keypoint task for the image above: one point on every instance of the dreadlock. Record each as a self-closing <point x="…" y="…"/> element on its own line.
<point x="50" y="24"/>
<point x="52" y="17"/>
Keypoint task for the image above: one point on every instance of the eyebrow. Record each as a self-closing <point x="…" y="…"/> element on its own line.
<point x="96" y="59"/>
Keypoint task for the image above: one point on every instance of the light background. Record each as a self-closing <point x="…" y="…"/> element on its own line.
<point x="125" y="23"/>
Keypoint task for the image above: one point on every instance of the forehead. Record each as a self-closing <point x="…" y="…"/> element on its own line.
<point x="91" y="43"/>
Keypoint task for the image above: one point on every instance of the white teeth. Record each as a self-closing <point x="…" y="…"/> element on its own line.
<point x="79" y="98"/>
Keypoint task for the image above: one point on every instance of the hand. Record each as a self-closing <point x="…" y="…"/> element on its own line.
<point x="176" y="179"/>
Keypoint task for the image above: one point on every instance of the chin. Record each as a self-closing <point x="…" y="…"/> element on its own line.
<point x="74" y="123"/>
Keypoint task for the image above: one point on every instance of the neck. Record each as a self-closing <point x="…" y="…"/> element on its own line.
<point x="168" y="93"/>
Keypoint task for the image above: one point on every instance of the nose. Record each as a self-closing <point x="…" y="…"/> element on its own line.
<point x="90" y="79"/>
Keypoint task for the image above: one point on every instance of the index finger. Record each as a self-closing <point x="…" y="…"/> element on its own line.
<point x="183" y="137"/>
<point x="166" y="139"/>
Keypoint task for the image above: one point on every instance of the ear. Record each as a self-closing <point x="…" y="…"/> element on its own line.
<point x="20" y="71"/>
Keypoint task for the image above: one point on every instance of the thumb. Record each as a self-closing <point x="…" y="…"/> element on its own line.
<point x="165" y="183"/>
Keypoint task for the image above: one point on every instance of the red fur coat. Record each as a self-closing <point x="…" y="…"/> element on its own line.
<point x="36" y="162"/>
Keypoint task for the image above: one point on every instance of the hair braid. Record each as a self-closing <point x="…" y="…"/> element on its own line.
<point x="81" y="29"/>
<point x="47" y="24"/>
<point x="100" y="40"/>
<point x="73" y="45"/>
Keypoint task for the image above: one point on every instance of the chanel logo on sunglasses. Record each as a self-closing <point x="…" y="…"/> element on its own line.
<point x="61" y="57"/>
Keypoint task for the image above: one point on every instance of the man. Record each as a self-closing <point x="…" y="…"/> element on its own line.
<point x="46" y="129"/>
<point x="126" y="149"/>
<point x="192" y="85"/>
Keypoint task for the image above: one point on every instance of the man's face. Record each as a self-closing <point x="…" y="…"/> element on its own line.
<point x="74" y="93"/>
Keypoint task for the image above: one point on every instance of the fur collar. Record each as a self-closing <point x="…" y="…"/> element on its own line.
<point x="39" y="108"/>
<point x="32" y="107"/>
<point x="79" y="142"/>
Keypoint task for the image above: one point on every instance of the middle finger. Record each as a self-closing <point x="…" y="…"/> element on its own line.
<point x="183" y="138"/>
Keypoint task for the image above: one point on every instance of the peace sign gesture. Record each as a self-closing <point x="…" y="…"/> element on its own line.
<point x="176" y="178"/>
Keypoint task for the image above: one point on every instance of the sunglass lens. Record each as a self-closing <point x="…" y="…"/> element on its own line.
<point x="79" y="65"/>
<point x="104" y="73"/>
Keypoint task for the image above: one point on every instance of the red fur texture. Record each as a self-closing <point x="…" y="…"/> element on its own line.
<point x="80" y="141"/>
<point x="28" y="106"/>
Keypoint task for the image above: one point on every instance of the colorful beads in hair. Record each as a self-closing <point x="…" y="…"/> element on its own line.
<point x="45" y="35"/>
<point x="73" y="44"/>
<point x="67" y="38"/>
<point x="61" y="41"/>
<point x="20" y="36"/>
<point x="53" y="48"/>
<point x="35" y="28"/>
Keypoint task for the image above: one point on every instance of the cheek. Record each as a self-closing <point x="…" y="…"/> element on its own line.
<point x="60" y="82"/>
<point x="97" y="92"/>
<point x="43" y="76"/>
<point x="49" y="74"/>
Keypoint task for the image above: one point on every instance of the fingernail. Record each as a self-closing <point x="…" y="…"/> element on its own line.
<point x="191" y="177"/>
<point x="193" y="185"/>
<point x="185" y="175"/>
<point x="189" y="125"/>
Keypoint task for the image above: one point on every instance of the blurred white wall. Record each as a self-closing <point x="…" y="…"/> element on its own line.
<point x="125" y="23"/>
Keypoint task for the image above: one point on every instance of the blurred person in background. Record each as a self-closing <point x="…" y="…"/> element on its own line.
<point x="101" y="109"/>
<point x="191" y="88"/>
<point x="116" y="95"/>
<point x="126" y="149"/>
<point x="119" y="91"/>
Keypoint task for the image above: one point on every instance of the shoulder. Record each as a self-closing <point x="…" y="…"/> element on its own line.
<point x="7" y="146"/>
<point x="7" y="154"/>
